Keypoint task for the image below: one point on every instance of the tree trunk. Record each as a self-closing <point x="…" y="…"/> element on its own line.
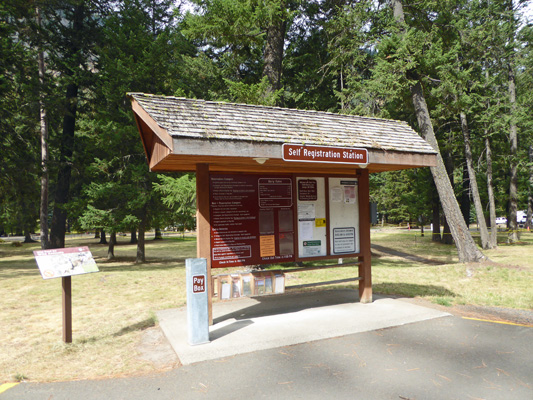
<point x="435" y="237"/>
<point x="97" y="233"/>
<point x="133" y="239"/>
<point x="27" y="237"/>
<point x="141" y="254"/>
<point x="59" y="218"/>
<point x="465" y="196"/>
<point x="103" y="239"/>
<point x="466" y="247"/>
<point x="111" y="248"/>
<point x="158" y="235"/>
<point x="513" y="164"/>
<point x="45" y="244"/>
<point x="484" y="232"/>
<point x="529" y="223"/>
<point x="447" y="237"/>
<point x="490" y="190"/>
<point x="273" y="53"/>
<point x="72" y="54"/>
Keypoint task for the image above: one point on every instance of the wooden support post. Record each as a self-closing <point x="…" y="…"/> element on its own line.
<point x="66" y="283"/>
<point x="203" y="227"/>
<point x="365" y="271"/>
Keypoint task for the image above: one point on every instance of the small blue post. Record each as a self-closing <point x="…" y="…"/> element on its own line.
<point x="197" y="300"/>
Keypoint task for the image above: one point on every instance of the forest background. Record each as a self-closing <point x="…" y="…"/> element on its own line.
<point x="71" y="157"/>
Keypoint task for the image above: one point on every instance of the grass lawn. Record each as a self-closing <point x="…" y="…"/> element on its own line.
<point x="112" y="308"/>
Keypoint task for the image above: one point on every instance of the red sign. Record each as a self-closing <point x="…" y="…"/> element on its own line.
<point x="251" y="219"/>
<point x="198" y="283"/>
<point x="307" y="190"/>
<point x="324" y="154"/>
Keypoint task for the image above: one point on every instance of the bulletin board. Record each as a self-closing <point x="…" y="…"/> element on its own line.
<point x="251" y="219"/>
<point x="266" y="219"/>
<point x="343" y="216"/>
<point x="311" y="215"/>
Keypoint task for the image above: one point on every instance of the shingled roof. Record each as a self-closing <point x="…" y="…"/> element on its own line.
<point x="175" y="122"/>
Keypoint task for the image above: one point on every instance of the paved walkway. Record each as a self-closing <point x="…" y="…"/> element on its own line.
<point x="432" y="356"/>
<point x="249" y="324"/>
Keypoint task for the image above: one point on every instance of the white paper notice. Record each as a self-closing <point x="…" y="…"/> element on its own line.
<point x="336" y="194"/>
<point x="349" y="194"/>
<point x="306" y="211"/>
<point x="306" y="230"/>
<point x="280" y="284"/>
<point x="226" y="290"/>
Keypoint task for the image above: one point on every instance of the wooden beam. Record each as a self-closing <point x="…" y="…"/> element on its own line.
<point x="153" y="125"/>
<point x="159" y="152"/>
<point x="235" y="156"/>
<point x="203" y="227"/>
<point x="365" y="270"/>
<point x="189" y="147"/>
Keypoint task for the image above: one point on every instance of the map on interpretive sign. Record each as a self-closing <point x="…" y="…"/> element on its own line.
<point x="57" y="263"/>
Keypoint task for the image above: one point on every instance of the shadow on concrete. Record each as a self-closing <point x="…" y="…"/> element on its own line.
<point x="231" y="328"/>
<point x="284" y="304"/>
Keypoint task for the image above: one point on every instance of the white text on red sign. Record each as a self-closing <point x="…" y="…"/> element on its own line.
<point x="198" y="284"/>
<point x="341" y="155"/>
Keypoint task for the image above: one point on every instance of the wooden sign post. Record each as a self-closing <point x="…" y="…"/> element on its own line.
<point x="63" y="263"/>
<point x="66" y="283"/>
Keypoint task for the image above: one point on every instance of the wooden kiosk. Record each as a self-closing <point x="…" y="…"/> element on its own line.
<point x="277" y="185"/>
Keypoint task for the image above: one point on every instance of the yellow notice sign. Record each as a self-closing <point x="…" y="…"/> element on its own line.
<point x="320" y="222"/>
<point x="268" y="245"/>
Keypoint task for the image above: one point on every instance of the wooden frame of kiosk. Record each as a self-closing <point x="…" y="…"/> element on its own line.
<point x="277" y="185"/>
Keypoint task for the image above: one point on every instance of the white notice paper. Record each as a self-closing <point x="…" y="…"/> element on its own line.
<point x="336" y="194"/>
<point x="306" y="210"/>
<point x="349" y="194"/>
<point x="280" y="284"/>
<point x="306" y="230"/>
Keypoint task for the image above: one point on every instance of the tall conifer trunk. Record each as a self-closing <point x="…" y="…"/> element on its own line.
<point x="465" y="195"/>
<point x="466" y="247"/>
<point x="485" y="240"/>
<point x="529" y="222"/>
<point x="59" y="218"/>
<point x="513" y="162"/>
<point x="490" y="191"/>
<point x="72" y="53"/>
<point x="44" y="146"/>
<point x="273" y="52"/>
<point x="435" y="236"/>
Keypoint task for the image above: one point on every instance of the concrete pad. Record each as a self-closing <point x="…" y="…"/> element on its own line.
<point x="249" y="324"/>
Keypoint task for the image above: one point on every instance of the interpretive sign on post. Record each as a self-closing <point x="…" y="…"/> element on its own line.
<point x="64" y="263"/>
<point x="57" y="263"/>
